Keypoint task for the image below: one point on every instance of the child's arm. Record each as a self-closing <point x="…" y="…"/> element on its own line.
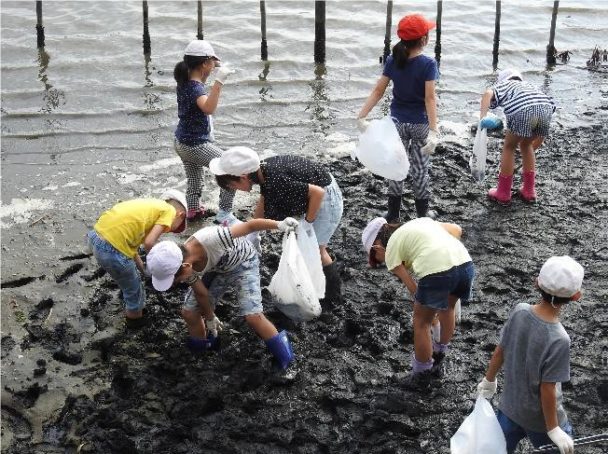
<point x="315" y="198"/>
<point x="153" y="236"/>
<point x="430" y="103"/>
<point x="486" y="99"/>
<point x="254" y="225"/>
<point x="548" y="401"/>
<point x="208" y="103"/>
<point x="453" y="229"/>
<point x="402" y="273"/>
<point x="375" y="96"/>
<point x="495" y="364"/>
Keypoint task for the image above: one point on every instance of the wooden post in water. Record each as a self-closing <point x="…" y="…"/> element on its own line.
<point x="387" y="34"/>
<point x="199" y="30"/>
<point x="147" y="45"/>
<point x="551" y="52"/>
<point x="496" y="35"/>
<point x="39" y="26"/>
<point x="319" y="31"/>
<point x="264" y="44"/>
<point x="438" y="32"/>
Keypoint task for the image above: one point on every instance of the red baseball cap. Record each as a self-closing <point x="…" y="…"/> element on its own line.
<point x="414" y="26"/>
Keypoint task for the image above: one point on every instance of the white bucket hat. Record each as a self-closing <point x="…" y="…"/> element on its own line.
<point x="163" y="261"/>
<point x="561" y="277"/>
<point x="370" y="232"/>
<point x="235" y="161"/>
<point x="200" y="48"/>
<point x="179" y="196"/>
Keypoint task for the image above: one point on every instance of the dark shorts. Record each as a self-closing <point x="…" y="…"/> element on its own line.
<point x="434" y="289"/>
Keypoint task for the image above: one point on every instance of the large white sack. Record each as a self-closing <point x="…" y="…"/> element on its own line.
<point x="479" y="433"/>
<point x="291" y="286"/>
<point x="309" y="247"/>
<point x="477" y="161"/>
<point x="380" y="150"/>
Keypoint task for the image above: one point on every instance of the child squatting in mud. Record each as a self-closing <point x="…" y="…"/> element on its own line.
<point x="120" y="231"/>
<point x="224" y="260"/>
<point x="534" y="349"/>
<point x="433" y="252"/>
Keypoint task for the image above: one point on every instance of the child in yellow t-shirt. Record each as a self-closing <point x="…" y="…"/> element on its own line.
<point x="120" y="231"/>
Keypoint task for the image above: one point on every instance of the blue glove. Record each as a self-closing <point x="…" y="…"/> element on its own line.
<point x="490" y="122"/>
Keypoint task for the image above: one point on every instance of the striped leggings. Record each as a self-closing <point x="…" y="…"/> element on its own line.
<point x="413" y="137"/>
<point x="194" y="158"/>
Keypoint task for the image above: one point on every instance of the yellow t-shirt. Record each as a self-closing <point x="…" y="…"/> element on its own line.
<point x="424" y="247"/>
<point x="126" y="224"/>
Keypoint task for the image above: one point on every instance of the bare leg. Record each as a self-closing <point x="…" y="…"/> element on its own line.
<point x="528" y="157"/>
<point x="261" y="325"/>
<point x="423" y="346"/>
<point x="134" y="314"/>
<point x="448" y="321"/>
<point x="195" y="324"/>
<point x="507" y="159"/>
<point x="325" y="257"/>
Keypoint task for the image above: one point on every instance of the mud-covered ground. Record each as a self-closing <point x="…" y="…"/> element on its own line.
<point x="142" y="392"/>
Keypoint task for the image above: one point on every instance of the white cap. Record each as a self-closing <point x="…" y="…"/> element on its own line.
<point x="163" y="261"/>
<point x="509" y="73"/>
<point x="174" y="194"/>
<point x="235" y="161"/>
<point x="200" y="48"/>
<point x="370" y="232"/>
<point x="561" y="277"/>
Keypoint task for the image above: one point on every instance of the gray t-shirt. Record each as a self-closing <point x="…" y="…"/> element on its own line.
<point x="535" y="351"/>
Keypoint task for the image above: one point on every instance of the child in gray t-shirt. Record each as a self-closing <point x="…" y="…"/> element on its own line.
<point x="534" y="349"/>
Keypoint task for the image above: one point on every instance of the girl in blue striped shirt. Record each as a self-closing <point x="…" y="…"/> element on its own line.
<point x="528" y="112"/>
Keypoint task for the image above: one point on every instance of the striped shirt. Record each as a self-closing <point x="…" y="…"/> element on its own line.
<point x="224" y="253"/>
<point x="515" y="95"/>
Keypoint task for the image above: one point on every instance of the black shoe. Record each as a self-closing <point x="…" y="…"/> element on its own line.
<point x="393" y="215"/>
<point x="437" y="370"/>
<point x="420" y="381"/>
<point x="422" y="209"/>
<point x="333" y="284"/>
<point x="136" y="323"/>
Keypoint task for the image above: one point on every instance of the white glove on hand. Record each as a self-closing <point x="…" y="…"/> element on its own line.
<point x="562" y="440"/>
<point x="362" y="124"/>
<point x="222" y="74"/>
<point x="432" y="141"/>
<point x="287" y="225"/>
<point x="214" y="326"/>
<point x="486" y="388"/>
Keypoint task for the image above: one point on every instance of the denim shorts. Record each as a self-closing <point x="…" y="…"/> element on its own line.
<point x="514" y="433"/>
<point x="329" y="214"/>
<point x="531" y="122"/>
<point x="244" y="279"/>
<point x="122" y="269"/>
<point x="434" y="289"/>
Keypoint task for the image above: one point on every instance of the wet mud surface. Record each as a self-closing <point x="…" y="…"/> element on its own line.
<point x="142" y="392"/>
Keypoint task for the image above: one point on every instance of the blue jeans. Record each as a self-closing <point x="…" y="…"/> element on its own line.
<point x="244" y="279"/>
<point x="122" y="269"/>
<point x="434" y="289"/>
<point x="514" y="433"/>
<point x="329" y="214"/>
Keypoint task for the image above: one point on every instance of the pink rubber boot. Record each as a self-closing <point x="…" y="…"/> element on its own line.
<point x="527" y="191"/>
<point x="502" y="193"/>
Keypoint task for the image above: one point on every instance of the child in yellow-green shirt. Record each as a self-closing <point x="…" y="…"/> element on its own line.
<point x="118" y="233"/>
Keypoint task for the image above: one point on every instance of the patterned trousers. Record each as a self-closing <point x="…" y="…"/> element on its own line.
<point x="413" y="137"/>
<point x="194" y="158"/>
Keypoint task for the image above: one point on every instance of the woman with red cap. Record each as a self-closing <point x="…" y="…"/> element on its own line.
<point x="413" y="108"/>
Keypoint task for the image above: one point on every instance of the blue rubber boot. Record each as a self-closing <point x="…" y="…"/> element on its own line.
<point x="280" y="347"/>
<point x="198" y="346"/>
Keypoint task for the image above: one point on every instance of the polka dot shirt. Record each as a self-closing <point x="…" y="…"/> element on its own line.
<point x="194" y="126"/>
<point x="285" y="187"/>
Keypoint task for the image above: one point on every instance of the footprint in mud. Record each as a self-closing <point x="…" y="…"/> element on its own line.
<point x="15" y="283"/>
<point x="42" y="310"/>
<point x="15" y="427"/>
<point x="70" y="271"/>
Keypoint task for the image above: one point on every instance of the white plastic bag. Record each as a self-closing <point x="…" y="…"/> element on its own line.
<point x="479" y="433"/>
<point x="309" y="247"/>
<point x="380" y="150"/>
<point x="291" y="286"/>
<point x="477" y="161"/>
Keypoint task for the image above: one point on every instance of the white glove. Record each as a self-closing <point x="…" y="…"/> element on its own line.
<point x="214" y="326"/>
<point x="287" y="225"/>
<point x="486" y="388"/>
<point x="222" y="74"/>
<point x="432" y="141"/>
<point x="562" y="440"/>
<point x="362" y="124"/>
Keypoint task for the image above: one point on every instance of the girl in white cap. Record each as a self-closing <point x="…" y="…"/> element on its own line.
<point x="528" y="112"/>
<point x="534" y="351"/>
<point x="196" y="102"/>
<point x="433" y="252"/>
<point x="413" y="109"/>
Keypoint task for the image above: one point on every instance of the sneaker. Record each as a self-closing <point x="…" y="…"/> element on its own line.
<point x="225" y="218"/>
<point x="195" y="215"/>
<point x="420" y="381"/>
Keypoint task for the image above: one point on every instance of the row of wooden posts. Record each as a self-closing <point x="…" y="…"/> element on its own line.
<point x="319" y="46"/>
